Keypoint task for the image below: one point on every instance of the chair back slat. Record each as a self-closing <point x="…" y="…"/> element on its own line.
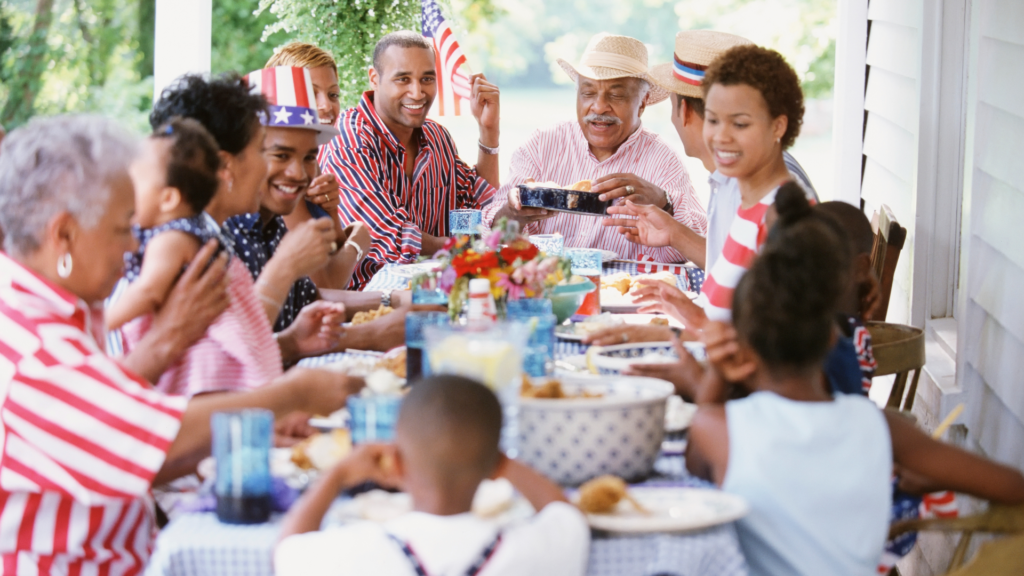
<point x="898" y="350"/>
<point x="885" y="253"/>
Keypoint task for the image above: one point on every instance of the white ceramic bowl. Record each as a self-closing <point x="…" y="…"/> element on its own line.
<point x="617" y="358"/>
<point x="574" y="440"/>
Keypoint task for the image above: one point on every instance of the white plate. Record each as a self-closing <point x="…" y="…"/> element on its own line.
<point x="567" y="332"/>
<point x="678" y="414"/>
<point x="672" y="510"/>
<point x="608" y="256"/>
<point x="410" y="270"/>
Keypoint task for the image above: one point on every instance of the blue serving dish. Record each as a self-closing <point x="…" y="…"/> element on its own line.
<point x="561" y="200"/>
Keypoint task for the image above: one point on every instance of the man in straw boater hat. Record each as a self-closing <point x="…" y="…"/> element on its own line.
<point x="608" y="145"/>
<point x="695" y="50"/>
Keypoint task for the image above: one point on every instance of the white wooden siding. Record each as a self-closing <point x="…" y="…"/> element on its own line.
<point x="892" y="101"/>
<point x="992" y="341"/>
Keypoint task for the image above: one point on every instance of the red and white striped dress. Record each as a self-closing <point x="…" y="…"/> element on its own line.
<point x="237" y="353"/>
<point x="81" y="438"/>
<point x="562" y="154"/>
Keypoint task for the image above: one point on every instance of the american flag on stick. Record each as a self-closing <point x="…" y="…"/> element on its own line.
<point x="453" y="72"/>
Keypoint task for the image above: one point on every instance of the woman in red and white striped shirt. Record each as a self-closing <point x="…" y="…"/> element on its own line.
<point x="753" y="111"/>
<point x="82" y="437"/>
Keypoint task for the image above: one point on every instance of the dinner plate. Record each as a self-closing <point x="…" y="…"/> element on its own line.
<point x="671" y="509"/>
<point x="678" y="414"/>
<point x="568" y="332"/>
<point x="410" y="270"/>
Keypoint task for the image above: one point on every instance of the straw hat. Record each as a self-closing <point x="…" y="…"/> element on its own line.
<point x="608" y="56"/>
<point x="695" y="51"/>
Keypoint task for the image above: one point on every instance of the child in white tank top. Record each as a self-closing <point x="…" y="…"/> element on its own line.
<point x="814" y="469"/>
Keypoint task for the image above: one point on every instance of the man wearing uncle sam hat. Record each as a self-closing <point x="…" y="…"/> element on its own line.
<point x="695" y="50"/>
<point x="285" y="258"/>
<point x="608" y="146"/>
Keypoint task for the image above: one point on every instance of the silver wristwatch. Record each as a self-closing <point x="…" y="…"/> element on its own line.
<point x="385" y="298"/>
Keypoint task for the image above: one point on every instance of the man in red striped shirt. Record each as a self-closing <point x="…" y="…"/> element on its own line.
<point x="399" y="172"/>
<point x="609" y="146"/>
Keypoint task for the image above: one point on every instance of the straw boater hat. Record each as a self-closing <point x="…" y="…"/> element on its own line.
<point x="608" y="56"/>
<point x="292" y="104"/>
<point x="695" y="51"/>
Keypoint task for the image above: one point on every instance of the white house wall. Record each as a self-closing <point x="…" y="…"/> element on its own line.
<point x="992" y="339"/>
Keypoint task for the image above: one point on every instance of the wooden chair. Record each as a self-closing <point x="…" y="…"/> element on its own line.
<point x="1002" y="557"/>
<point x="898" y="350"/>
<point x="885" y="254"/>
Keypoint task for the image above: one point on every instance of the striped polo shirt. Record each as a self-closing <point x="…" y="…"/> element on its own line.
<point x="369" y="164"/>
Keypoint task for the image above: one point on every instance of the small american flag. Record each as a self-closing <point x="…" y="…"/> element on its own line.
<point x="453" y="84"/>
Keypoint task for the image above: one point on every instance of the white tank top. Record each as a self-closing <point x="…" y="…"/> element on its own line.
<point x="816" y="475"/>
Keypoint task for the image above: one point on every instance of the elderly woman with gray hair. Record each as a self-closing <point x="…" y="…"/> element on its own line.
<point x="84" y="437"/>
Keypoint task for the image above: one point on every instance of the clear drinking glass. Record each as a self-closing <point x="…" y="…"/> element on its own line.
<point x="415" y="322"/>
<point x="550" y="244"/>
<point x="241" y="447"/>
<point x="587" y="262"/>
<point x="464" y="221"/>
<point x="538" y="357"/>
<point x="373" y="418"/>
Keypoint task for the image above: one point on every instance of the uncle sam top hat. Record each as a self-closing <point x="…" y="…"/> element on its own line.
<point x="289" y="93"/>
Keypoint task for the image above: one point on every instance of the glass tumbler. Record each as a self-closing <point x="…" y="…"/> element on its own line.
<point x="373" y="418"/>
<point x="241" y="447"/>
<point x="415" y="340"/>
<point x="464" y="221"/>
<point x="550" y="244"/>
<point x="587" y="262"/>
<point x="538" y="357"/>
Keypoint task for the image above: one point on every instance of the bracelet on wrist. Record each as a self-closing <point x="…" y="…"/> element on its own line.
<point x="488" y="149"/>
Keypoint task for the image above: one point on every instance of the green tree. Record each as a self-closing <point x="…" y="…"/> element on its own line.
<point x="24" y="65"/>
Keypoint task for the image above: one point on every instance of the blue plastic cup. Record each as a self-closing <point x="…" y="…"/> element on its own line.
<point x="550" y="244"/>
<point x="415" y="340"/>
<point x="241" y="446"/>
<point x="464" y="221"/>
<point x="373" y="418"/>
<point x="539" y="356"/>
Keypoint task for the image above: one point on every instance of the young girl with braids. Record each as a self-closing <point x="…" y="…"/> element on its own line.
<point x="815" y="468"/>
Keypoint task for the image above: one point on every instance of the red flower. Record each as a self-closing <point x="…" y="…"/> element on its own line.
<point x="519" y="248"/>
<point x="470" y="262"/>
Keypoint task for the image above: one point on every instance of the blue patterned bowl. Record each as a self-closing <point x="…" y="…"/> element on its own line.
<point x="616" y="359"/>
<point x="573" y="440"/>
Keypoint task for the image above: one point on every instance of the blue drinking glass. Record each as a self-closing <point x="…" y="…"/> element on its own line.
<point x="539" y="356"/>
<point x="464" y="221"/>
<point x="429" y="296"/>
<point x="373" y="418"/>
<point x="241" y="447"/>
<point x="585" y="261"/>
<point x="550" y="244"/>
<point x="415" y="341"/>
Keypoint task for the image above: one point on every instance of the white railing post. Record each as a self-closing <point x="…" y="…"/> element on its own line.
<point x="182" y="40"/>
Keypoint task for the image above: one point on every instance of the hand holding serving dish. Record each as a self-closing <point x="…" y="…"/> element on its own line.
<point x="574" y="199"/>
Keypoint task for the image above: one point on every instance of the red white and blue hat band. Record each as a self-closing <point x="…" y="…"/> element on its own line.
<point x="292" y="103"/>
<point x="688" y="72"/>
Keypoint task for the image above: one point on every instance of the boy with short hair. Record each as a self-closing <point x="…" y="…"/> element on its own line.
<point x="446" y="443"/>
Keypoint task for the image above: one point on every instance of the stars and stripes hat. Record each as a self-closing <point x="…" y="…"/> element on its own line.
<point x="695" y="51"/>
<point x="609" y="56"/>
<point x="289" y="91"/>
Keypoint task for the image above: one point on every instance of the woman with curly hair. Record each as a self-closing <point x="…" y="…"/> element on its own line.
<point x="753" y="111"/>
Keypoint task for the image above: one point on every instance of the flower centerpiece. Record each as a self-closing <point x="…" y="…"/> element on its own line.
<point x="516" y="268"/>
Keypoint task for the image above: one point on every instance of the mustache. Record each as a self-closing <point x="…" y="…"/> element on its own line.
<point x="601" y="118"/>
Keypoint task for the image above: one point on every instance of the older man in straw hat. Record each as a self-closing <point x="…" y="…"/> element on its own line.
<point x="695" y="51"/>
<point x="607" y="145"/>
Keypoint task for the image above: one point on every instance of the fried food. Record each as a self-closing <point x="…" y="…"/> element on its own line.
<point x="394" y="363"/>
<point x="364" y="317"/>
<point x="666" y="277"/>
<point x="321" y="451"/>
<point x="659" y="321"/>
<point x="581" y="186"/>
<point x="620" y="281"/>
<point x="552" y="389"/>
<point x="602" y="494"/>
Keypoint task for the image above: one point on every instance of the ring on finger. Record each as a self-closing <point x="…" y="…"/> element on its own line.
<point x="625" y="338"/>
<point x="630" y="190"/>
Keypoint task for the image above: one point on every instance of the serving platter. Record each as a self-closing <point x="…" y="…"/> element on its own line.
<point x="563" y="200"/>
<point x="671" y="509"/>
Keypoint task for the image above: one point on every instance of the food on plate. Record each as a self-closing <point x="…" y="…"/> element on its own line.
<point x="666" y="277"/>
<point x="364" y="317"/>
<point x="321" y="451"/>
<point x="619" y="281"/>
<point x="581" y="186"/>
<point x="602" y="494"/>
<point x="393" y="362"/>
<point x="552" y="389"/>
<point x="659" y="321"/>
<point x="596" y="323"/>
